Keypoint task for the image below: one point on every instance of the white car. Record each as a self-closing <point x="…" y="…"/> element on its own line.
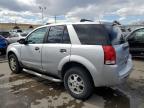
<point x="14" y="37"/>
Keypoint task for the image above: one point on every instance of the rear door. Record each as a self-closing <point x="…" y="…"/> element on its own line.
<point x="56" y="48"/>
<point x="136" y="42"/>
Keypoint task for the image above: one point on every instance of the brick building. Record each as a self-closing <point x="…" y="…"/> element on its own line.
<point x="10" y="26"/>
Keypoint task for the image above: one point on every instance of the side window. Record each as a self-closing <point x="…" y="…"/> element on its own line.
<point x="37" y="36"/>
<point x="66" y="38"/>
<point x="91" y="34"/>
<point x="58" y="34"/>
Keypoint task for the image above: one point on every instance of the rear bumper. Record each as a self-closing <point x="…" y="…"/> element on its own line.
<point x="124" y="73"/>
<point x="114" y="76"/>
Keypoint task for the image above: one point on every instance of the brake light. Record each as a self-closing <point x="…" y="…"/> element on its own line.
<point x="109" y="55"/>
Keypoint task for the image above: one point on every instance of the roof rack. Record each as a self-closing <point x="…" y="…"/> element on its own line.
<point x="83" y="20"/>
<point x="116" y="23"/>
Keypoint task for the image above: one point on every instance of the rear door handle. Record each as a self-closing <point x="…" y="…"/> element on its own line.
<point x="63" y="50"/>
<point x="36" y="48"/>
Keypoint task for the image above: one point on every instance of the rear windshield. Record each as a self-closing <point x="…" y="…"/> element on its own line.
<point x="116" y="35"/>
<point x="24" y="34"/>
<point x="98" y="34"/>
<point x="19" y="31"/>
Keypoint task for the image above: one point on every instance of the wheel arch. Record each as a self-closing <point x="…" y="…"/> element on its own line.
<point x="71" y="64"/>
<point x="76" y="60"/>
<point x="13" y="52"/>
<point x="9" y="53"/>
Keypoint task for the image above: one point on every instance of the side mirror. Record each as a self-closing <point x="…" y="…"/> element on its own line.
<point x="22" y="41"/>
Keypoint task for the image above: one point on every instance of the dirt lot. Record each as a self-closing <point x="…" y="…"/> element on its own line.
<point x="27" y="91"/>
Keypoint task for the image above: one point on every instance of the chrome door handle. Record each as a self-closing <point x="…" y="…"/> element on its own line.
<point x="63" y="50"/>
<point x="36" y="48"/>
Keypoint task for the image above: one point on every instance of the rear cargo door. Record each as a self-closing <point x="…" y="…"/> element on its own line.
<point x="122" y="54"/>
<point x="120" y="45"/>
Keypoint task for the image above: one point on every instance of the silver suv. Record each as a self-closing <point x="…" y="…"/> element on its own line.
<point x="83" y="55"/>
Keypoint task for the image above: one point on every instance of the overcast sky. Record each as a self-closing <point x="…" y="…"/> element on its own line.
<point x="27" y="11"/>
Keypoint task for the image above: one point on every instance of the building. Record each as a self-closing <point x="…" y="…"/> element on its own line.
<point x="11" y="26"/>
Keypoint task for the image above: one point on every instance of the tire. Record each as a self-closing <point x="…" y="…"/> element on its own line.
<point x="14" y="64"/>
<point x="77" y="89"/>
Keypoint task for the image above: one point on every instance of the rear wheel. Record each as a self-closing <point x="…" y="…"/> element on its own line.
<point x="14" y="64"/>
<point x="78" y="83"/>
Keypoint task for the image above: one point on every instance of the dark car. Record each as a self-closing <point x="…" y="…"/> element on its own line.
<point x="136" y="42"/>
<point x="5" y="34"/>
<point x="3" y="45"/>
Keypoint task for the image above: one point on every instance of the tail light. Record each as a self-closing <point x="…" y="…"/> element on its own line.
<point x="109" y="55"/>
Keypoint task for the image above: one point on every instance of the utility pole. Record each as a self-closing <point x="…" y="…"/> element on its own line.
<point x="55" y="18"/>
<point x="15" y="22"/>
<point x="42" y="13"/>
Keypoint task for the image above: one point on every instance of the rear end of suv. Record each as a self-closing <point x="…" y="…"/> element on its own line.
<point x="104" y="54"/>
<point x="104" y="46"/>
<point x="82" y="55"/>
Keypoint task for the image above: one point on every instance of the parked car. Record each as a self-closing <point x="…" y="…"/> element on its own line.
<point x="5" y="34"/>
<point x="17" y="30"/>
<point x="83" y="55"/>
<point x="3" y="45"/>
<point x="26" y="32"/>
<point x="14" y="37"/>
<point x="136" y="42"/>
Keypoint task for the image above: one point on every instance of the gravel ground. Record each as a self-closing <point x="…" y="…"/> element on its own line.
<point x="3" y="58"/>
<point x="28" y="91"/>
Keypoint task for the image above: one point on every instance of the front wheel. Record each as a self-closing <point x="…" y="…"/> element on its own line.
<point x="14" y="64"/>
<point x="78" y="83"/>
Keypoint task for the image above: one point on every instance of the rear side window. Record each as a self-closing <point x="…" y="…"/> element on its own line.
<point x="92" y="34"/>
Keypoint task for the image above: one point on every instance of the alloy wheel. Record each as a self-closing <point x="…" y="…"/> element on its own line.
<point x="76" y="84"/>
